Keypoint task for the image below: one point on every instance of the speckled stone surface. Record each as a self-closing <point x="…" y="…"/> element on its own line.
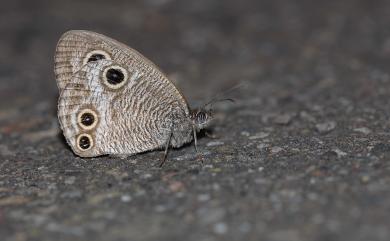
<point x="303" y="154"/>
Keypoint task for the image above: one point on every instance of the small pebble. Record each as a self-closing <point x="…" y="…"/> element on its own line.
<point x="216" y="187"/>
<point x="245" y="133"/>
<point x="133" y="162"/>
<point x="160" y="208"/>
<point x="262" y="146"/>
<point x="339" y="152"/>
<point x="215" y="143"/>
<point x="220" y="228"/>
<point x="179" y="194"/>
<point x="363" y="130"/>
<point x="312" y="196"/>
<point x="261" y="181"/>
<point x="176" y="186"/>
<point x="365" y="178"/>
<point x="140" y="193"/>
<point x="211" y="215"/>
<point x="283" y="119"/>
<point x="325" y="127"/>
<point x="276" y="149"/>
<point x="259" y="135"/>
<point x="126" y="198"/>
<point x="147" y="175"/>
<point x="5" y="151"/>
<point x="203" y="197"/>
<point x="65" y="229"/>
<point x="70" y="180"/>
<point x="100" y="197"/>
<point x="72" y="194"/>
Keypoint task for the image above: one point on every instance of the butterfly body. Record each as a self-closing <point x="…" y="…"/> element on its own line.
<point x="115" y="101"/>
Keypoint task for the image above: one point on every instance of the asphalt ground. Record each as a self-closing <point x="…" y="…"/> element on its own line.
<point x="302" y="154"/>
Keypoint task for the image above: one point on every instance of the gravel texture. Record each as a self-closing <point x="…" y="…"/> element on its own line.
<point x="303" y="153"/>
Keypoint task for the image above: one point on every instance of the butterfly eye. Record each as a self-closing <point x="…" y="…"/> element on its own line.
<point x="96" y="55"/>
<point x="84" y="142"/>
<point x="87" y="119"/>
<point x="115" y="77"/>
<point x="201" y="116"/>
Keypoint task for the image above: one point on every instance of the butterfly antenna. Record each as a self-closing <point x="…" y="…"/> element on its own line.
<point x="213" y="101"/>
<point x="218" y="99"/>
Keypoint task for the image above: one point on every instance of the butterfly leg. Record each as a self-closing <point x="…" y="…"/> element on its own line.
<point x="196" y="144"/>
<point x="195" y="139"/>
<point x="166" y="149"/>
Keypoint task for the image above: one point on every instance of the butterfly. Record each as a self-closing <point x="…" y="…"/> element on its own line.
<point x="114" y="101"/>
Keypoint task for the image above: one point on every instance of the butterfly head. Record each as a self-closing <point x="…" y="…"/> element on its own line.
<point x="201" y="118"/>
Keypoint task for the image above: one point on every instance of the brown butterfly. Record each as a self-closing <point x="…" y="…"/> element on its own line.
<point x="115" y="101"/>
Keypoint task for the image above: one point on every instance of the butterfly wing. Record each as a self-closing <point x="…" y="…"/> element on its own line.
<point x="112" y="99"/>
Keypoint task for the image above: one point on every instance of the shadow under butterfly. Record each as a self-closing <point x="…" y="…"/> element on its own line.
<point x="115" y="101"/>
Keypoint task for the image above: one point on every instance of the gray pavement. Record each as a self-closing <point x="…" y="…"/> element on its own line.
<point x="303" y="154"/>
